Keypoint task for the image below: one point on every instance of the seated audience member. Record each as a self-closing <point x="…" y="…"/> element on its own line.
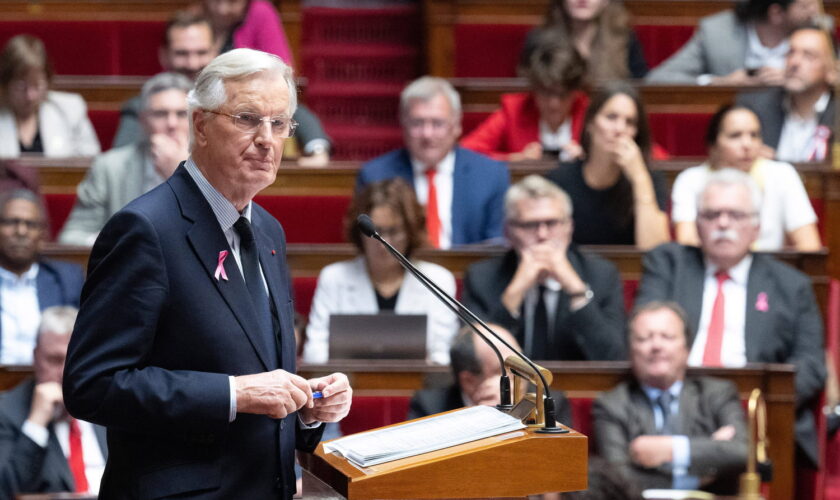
<point x="187" y="48"/>
<point x="42" y="448"/>
<point x="666" y="430"/>
<point x="741" y="46"/>
<point x="547" y="121"/>
<point x="122" y="174"/>
<point x="248" y="24"/>
<point x="600" y="31"/>
<point x="33" y="118"/>
<point x="733" y="140"/>
<point x="464" y="198"/>
<point x="374" y="281"/>
<point x="615" y="196"/>
<point x="477" y="374"/>
<point x="742" y="307"/>
<point x="560" y="302"/>
<point x="28" y="283"/>
<point x="797" y="118"/>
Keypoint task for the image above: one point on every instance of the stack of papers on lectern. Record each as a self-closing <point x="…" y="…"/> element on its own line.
<point x="423" y="436"/>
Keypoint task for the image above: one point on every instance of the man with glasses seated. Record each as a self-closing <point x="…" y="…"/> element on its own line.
<point x="28" y="283"/>
<point x="461" y="190"/>
<point x="122" y="174"/>
<point x="559" y="302"/>
<point x="742" y="307"/>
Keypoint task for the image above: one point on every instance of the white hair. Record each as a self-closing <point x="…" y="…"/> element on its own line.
<point x="162" y="82"/>
<point x="533" y="187"/>
<point x="426" y="88"/>
<point x="209" y="91"/>
<point x="58" y="320"/>
<point x="732" y="177"/>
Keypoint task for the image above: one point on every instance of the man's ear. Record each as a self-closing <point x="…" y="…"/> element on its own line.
<point x="199" y="121"/>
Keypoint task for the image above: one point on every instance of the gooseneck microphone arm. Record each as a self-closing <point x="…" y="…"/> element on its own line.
<point x="369" y="229"/>
<point x="468" y="317"/>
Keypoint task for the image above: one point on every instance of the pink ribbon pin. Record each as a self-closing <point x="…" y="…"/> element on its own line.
<point x="761" y="303"/>
<point x="220" y="267"/>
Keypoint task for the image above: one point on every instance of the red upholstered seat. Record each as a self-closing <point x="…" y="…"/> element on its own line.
<point x="681" y="134"/>
<point x="105" y="122"/>
<point x="58" y="209"/>
<point x="95" y="47"/>
<point x="659" y="42"/>
<point x="369" y="412"/>
<point x="304" y="290"/>
<point x="308" y="219"/>
<point x="488" y="50"/>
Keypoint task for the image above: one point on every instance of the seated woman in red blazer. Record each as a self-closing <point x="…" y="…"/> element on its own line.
<point x="544" y="122"/>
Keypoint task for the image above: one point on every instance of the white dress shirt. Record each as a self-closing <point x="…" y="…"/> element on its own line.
<point x="554" y="140"/>
<point x="798" y="140"/>
<point x="443" y="187"/>
<point x="759" y="56"/>
<point x="20" y="316"/>
<point x="733" y="349"/>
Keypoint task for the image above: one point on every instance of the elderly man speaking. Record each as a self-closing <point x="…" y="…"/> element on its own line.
<point x="184" y="345"/>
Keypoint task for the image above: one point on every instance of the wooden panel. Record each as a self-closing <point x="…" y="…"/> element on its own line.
<point x="88" y="10"/>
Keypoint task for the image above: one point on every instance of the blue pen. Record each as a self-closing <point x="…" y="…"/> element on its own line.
<point x="317" y="395"/>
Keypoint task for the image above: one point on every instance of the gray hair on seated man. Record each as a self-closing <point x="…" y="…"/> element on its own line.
<point x="533" y="187"/>
<point x="731" y="177"/>
<point x="427" y="87"/>
<point x="209" y="92"/>
<point x="58" y="319"/>
<point x="162" y="82"/>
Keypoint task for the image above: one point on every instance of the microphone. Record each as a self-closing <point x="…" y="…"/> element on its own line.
<point x="469" y="318"/>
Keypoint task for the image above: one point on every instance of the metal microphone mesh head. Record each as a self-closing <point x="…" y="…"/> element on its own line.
<point x="366" y="225"/>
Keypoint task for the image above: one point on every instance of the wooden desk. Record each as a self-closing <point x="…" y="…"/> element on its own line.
<point x="581" y="379"/>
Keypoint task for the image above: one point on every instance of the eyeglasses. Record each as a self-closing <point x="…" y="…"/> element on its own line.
<point x="733" y="215"/>
<point x="163" y="114"/>
<point x="21" y="86"/>
<point x="391" y="233"/>
<point x="534" y="225"/>
<point x="30" y="225"/>
<point x="281" y="126"/>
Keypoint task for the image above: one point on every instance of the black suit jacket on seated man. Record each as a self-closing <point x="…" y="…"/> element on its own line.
<point x="594" y="332"/>
<point x="156" y="374"/>
<point x="786" y="329"/>
<point x="25" y="467"/>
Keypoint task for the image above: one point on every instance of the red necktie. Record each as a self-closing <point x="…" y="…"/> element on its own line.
<point x="714" y="337"/>
<point x="432" y="218"/>
<point x="76" y="459"/>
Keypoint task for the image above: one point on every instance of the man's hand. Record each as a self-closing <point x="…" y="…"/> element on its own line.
<point x="651" y="451"/>
<point x="725" y="433"/>
<point x="335" y="403"/>
<point x="532" y="269"/>
<point x="166" y="153"/>
<point x="47" y="403"/>
<point x="770" y="76"/>
<point x="276" y="393"/>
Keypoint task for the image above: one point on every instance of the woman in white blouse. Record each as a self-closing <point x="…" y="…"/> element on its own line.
<point x="33" y="118"/>
<point x="733" y="138"/>
<point x="374" y="281"/>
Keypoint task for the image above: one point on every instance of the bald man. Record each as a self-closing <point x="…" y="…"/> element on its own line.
<point x="797" y="118"/>
<point x="476" y="373"/>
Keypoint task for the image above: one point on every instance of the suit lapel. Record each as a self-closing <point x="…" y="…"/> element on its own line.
<point x="460" y="193"/>
<point x="207" y="241"/>
<point x="640" y="401"/>
<point x="692" y="301"/>
<point x="272" y="261"/>
<point x="55" y="460"/>
<point x="757" y="319"/>
<point x="688" y="406"/>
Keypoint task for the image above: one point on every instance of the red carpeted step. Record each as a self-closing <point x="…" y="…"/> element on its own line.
<point x="363" y="143"/>
<point x="356" y="104"/>
<point x="360" y="63"/>
<point x="399" y="25"/>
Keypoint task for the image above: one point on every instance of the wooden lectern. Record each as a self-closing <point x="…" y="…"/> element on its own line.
<point x="511" y="465"/>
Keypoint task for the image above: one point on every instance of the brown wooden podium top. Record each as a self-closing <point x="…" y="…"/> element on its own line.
<point x="514" y="464"/>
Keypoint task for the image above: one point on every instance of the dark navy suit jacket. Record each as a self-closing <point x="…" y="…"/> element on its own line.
<point x="158" y="336"/>
<point x="478" y="190"/>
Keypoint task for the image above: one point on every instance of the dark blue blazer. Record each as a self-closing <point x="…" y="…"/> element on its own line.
<point x="478" y="190"/>
<point x="157" y="337"/>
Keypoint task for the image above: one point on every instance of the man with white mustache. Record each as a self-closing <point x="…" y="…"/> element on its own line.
<point x="742" y="307"/>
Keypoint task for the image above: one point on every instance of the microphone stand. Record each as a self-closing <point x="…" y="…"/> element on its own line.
<point x="469" y="318"/>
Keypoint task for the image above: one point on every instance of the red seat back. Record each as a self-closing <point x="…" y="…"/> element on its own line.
<point x="369" y="412"/>
<point x="308" y="219"/>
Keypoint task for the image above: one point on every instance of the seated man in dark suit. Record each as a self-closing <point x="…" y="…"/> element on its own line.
<point x="42" y="448"/>
<point x="476" y="371"/>
<point x="797" y="118"/>
<point x="28" y="283"/>
<point x="663" y="429"/>
<point x="742" y="307"/>
<point x="559" y="302"/>
<point x="464" y="198"/>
